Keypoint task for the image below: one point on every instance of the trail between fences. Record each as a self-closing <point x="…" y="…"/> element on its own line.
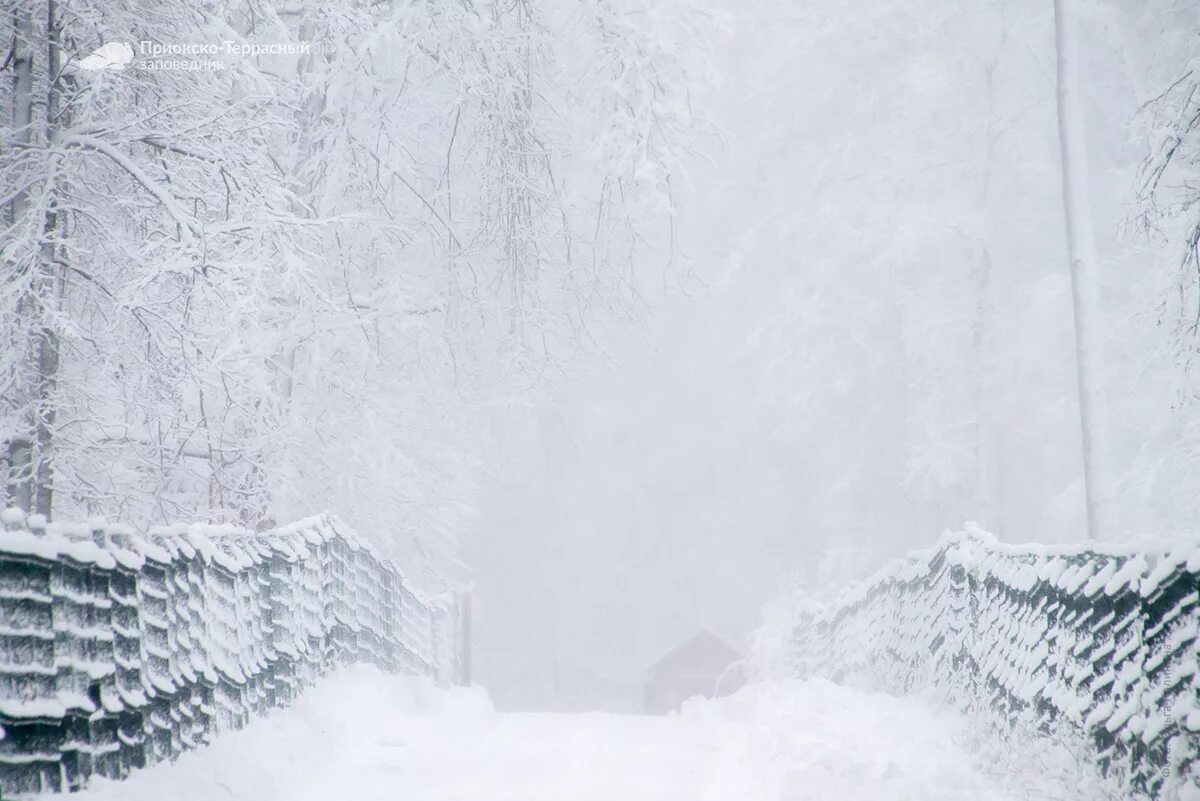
<point x="361" y="735"/>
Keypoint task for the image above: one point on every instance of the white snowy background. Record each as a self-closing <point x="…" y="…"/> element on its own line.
<point x="646" y="310"/>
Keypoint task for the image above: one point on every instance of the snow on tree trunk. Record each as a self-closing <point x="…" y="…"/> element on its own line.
<point x="48" y="288"/>
<point x="18" y="448"/>
<point x="36" y="288"/>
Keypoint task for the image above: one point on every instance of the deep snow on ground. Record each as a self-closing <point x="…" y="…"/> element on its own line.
<point x="361" y="735"/>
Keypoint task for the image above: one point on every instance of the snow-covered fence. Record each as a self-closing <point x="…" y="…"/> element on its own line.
<point x="119" y="650"/>
<point x="1095" y="647"/>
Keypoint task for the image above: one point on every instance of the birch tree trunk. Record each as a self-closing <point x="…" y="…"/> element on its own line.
<point x="1081" y="247"/>
<point x="30" y="455"/>
<point x="19" y="479"/>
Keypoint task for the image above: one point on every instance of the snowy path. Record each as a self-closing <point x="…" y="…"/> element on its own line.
<point x="364" y="736"/>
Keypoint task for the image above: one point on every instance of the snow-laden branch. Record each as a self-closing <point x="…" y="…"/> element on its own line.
<point x="188" y="229"/>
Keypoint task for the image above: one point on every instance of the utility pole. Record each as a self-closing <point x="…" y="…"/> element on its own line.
<point x="1081" y="248"/>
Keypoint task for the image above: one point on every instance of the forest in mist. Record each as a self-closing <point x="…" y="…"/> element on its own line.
<point x="643" y="309"/>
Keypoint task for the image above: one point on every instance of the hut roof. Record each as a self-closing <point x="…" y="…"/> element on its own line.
<point x="704" y="652"/>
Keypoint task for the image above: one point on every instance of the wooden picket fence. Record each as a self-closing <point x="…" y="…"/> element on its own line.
<point x="119" y="650"/>
<point x="1094" y="647"/>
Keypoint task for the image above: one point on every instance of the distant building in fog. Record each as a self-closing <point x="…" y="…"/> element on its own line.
<point x="704" y="665"/>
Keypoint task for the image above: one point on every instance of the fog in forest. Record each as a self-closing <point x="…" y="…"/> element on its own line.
<point x="866" y="338"/>
<point x="628" y="316"/>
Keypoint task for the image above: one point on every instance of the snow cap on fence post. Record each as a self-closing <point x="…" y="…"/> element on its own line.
<point x="13" y="519"/>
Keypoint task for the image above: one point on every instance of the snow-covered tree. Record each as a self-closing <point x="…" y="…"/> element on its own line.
<point x="251" y="282"/>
